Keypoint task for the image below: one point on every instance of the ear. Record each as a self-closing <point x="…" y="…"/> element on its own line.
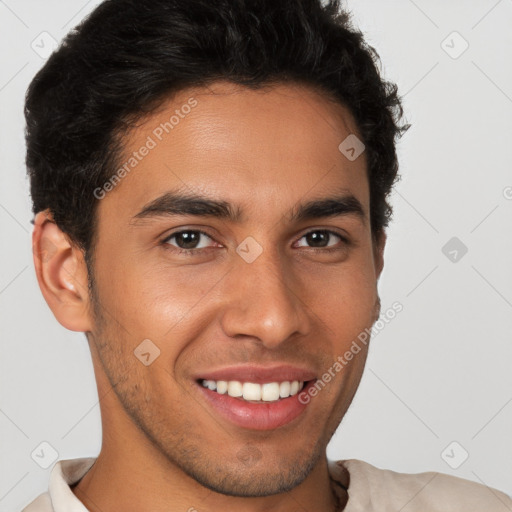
<point x="378" y="253"/>
<point x="378" y="258"/>
<point x="61" y="273"/>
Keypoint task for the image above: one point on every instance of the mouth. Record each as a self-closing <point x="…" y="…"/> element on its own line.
<point x="256" y="398"/>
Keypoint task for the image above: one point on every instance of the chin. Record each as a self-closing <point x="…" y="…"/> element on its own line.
<point x="250" y="473"/>
<point x="252" y="482"/>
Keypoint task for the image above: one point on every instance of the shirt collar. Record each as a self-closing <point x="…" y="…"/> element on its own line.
<point x="66" y="473"/>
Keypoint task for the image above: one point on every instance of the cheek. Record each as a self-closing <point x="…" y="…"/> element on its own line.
<point x="151" y="298"/>
<point x="177" y="300"/>
<point x="168" y="307"/>
<point x="344" y="300"/>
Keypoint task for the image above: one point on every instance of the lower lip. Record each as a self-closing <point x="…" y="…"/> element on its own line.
<point x="256" y="416"/>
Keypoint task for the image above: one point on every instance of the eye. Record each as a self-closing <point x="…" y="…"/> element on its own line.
<point x="193" y="241"/>
<point x="188" y="240"/>
<point x="322" y="238"/>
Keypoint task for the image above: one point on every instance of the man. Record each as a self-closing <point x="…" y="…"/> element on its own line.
<point x="209" y="182"/>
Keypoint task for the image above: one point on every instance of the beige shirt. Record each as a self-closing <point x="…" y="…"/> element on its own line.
<point x="370" y="489"/>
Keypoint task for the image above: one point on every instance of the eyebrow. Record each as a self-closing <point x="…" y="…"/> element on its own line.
<point x="177" y="203"/>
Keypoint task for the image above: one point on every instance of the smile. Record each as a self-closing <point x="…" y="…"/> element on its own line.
<point x="256" y="397"/>
<point x="253" y="391"/>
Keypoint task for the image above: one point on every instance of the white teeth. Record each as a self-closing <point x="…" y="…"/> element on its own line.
<point x="235" y="388"/>
<point x="222" y="387"/>
<point x="284" y="389"/>
<point x="210" y="384"/>
<point x="270" y="392"/>
<point x="251" y="391"/>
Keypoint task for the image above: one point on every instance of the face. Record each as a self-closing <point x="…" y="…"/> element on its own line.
<point x="252" y="287"/>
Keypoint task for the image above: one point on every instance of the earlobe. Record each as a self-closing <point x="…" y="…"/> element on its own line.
<point x="61" y="273"/>
<point x="376" y="309"/>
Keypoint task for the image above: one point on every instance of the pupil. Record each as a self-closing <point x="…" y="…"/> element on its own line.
<point x="187" y="239"/>
<point x="318" y="236"/>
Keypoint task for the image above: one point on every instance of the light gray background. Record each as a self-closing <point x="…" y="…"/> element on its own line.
<point x="438" y="373"/>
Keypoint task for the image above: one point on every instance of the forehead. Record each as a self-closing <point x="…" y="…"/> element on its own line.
<point x="272" y="146"/>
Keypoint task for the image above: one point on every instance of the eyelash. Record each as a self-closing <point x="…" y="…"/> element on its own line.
<point x="193" y="252"/>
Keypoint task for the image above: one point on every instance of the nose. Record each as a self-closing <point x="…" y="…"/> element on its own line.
<point x="264" y="302"/>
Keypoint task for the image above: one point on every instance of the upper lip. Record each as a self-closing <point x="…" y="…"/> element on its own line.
<point x="258" y="374"/>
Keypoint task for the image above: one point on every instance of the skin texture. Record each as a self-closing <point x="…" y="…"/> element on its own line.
<point x="164" y="447"/>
